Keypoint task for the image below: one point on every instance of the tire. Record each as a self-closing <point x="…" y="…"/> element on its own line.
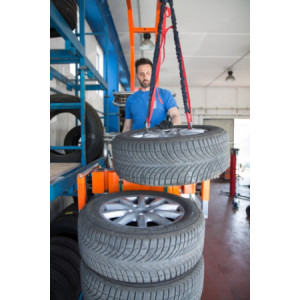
<point x="61" y="253"/>
<point x="66" y="242"/>
<point x="186" y="287"/>
<point x="94" y="130"/>
<point x="72" y="138"/>
<point x="248" y="211"/>
<point x="171" y="159"/>
<point x="60" y="286"/>
<point x="136" y="254"/>
<point x="68" y="10"/>
<point x="64" y="264"/>
<point x="66" y="223"/>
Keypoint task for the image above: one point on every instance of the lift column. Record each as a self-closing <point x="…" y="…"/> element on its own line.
<point x="234" y="153"/>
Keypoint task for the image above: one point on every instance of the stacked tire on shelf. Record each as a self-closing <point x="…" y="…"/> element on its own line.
<point x="65" y="256"/>
<point x="68" y="10"/>
<point x="94" y="132"/>
<point x="141" y="245"/>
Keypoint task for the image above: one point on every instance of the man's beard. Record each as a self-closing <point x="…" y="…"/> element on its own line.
<point x="145" y="84"/>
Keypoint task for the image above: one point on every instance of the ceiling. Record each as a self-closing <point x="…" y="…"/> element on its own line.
<point x="214" y="36"/>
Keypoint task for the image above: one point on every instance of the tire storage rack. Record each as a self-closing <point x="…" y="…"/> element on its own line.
<point x="63" y="20"/>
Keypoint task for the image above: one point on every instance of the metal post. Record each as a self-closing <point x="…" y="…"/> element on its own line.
<point x="132" y="31"/>
<point x="111" y="111"/>
<point x="233" y="152"/>
<point x="82" y="80"/>
<point x="205" y="195"/>
<point x="106" y="96"/>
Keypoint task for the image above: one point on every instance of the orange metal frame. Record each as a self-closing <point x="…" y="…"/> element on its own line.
<point x="133" y="30"/>
<point x="108" y="181"/>
<point x="81" y="185"/>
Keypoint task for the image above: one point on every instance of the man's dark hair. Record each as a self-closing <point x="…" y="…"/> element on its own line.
<point x="142" y="61"/>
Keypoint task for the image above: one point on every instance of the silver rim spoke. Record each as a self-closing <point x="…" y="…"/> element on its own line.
<point x="168" y="206"/>
<point x="116" y="206"/>
<point x="158" y="219"/>
<point x="129" y="217"/>
<point x="142" y="211"/>
<point x="126" y="202"/>
<point x="157" y="202"/>
<point x="115" y="214"/>
<point x="142" y="201"/>
<point x="168" y="214"/>
<point x="142" y="221"/>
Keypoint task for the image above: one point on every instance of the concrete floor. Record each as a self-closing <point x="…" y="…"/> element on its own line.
<point x="227" y="245"/>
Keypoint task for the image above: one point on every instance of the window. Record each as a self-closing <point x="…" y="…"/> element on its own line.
<point x="73" y="69"/>
<point x="99" y="66"/>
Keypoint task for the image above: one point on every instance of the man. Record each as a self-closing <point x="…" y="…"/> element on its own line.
<point x="137" y="104"/>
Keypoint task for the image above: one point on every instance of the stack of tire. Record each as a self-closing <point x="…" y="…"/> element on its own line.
<point x="65" y="256"/>
<point x="68" y="10"/>
<point x="141" y="245"/>
<point x="94" y="131"/>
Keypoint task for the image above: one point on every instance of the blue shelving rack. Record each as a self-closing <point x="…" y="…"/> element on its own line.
<point x="74" y="52"/>
<point x="98" y="16"/>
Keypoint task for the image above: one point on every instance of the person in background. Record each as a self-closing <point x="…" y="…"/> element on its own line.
<point x="137" y="104"/>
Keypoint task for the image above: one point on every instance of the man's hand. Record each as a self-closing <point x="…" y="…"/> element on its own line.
<point x="127" y="125"/>
<point x="174" y="115"/>
<point x="165" y="124"/>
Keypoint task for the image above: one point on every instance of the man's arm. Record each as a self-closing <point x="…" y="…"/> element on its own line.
<point x="127" y="125"/>
<point x="174" y="115"/>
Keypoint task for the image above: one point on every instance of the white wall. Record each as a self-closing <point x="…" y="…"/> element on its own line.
<point x="215" y="102"/>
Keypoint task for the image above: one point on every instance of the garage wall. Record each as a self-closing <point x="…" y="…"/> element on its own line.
<point x="215" y="102"/>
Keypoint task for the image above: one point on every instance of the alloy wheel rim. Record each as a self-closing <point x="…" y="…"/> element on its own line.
<point x="142" y="211"/>
<point x="165" y="133"/>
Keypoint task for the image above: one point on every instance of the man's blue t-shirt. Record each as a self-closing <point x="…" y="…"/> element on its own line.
<point x="137" y="106"/>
